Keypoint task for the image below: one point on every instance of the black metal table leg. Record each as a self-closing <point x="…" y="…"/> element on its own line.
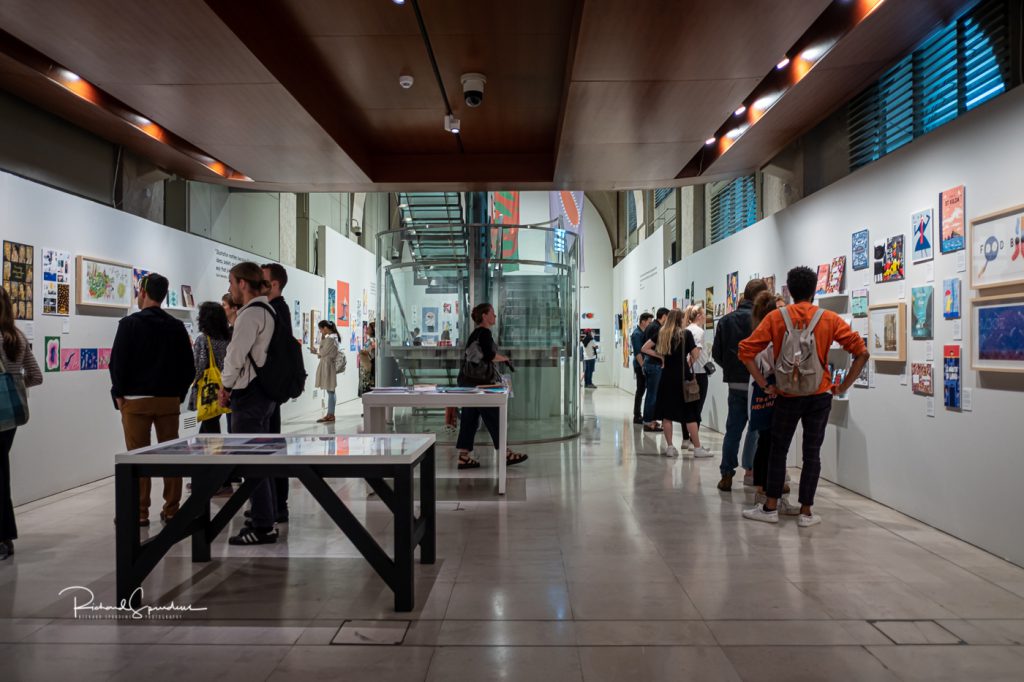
<point x="126" y="519"/>
<point x="428" y="508"/>
<point x="201" y="536"/>
<point x="405" y="597"/>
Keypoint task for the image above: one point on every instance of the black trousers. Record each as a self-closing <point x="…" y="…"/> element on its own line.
<point x="280" y="484"/>
<point x="761" y="454"/>
<point x="251" y="409"/>
<point x="471" y="417"/>
<point x="210" y="425"/>
<point x="641" y="388"/>
<point x="812" y="412"/>
<point x="8" y="530"/>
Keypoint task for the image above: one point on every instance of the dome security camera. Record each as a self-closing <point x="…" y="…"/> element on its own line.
<point x="473" y="88"/>
<point x="406" y="81"/>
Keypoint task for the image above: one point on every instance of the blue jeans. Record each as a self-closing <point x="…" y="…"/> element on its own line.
<point x="332" y="400"/>
<point x="734" y="425"/>
<point x="588" y="372"/>
<point x="652" y="370"/>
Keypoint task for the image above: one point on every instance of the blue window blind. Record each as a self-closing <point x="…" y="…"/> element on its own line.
<point x="631" y="222"/>
<point x="733" y="207"/>
<point x="957" y="68"/>
<point x="660" y="195"/>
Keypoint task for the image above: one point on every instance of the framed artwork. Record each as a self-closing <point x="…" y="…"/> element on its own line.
<point x="951" y="220"/>
<point x="187" y="299"/>
<point x="997" y="333"/>
<point x="996" y="255"/>
<point x="822" y="286"/>
<point x="18" y="278"/>
<point x="137" y="275"/>
<point x="103" y="283"/>
<point x="893" y="263"/>
<point x="89" y="358"/>
<point x="836" y="272"/>
<point x="921" y="320"/>
<point x="732" y="291"/>
<point x="52" y="359"/>
<point x="921" y="378"/>
<point x="859" y="303"/>
<point x="69" y="359"/>
<point x="860" y="250"/>
<point x="56" y="267"/>
<point x="344" y="313"/>
<point x="887" y="335"/>
<point x="922" y="236"/>
<point x="626" y="329"/>
<point x="314" y="333"/>
<point x="709" y="308"/>
<point x="770" y="281"/>
<point x="332" y="304"/>
<point x="951" y="377"/>
<point x="951" y="298"/>
<point x="103" y="358"/>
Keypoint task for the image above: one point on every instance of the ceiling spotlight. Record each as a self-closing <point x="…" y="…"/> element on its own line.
<point x="452" y="124"/>
<point x="711" y="140"/>
<point x="398" y="2"/>
<point x="814" y="53"/>
<point x="763" y="103"/>
<point x="739" y="112"/>
<point x="736" y="132"/>
<point x="783" y="64"/>
<point x="70" y="76"/>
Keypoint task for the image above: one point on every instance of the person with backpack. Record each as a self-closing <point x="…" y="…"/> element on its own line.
<point x="801" y="335"/>
<point x="245" y="390"/>
<point x="478" y="369"/>
<point x="276" y="279"/>
<point x="330" y="355"/>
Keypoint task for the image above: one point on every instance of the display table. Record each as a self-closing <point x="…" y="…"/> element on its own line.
<point x="377" y="406"/>
<point x="211" y="460"/>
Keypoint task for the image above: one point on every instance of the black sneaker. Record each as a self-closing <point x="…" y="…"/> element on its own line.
<point x="254" y="536"/>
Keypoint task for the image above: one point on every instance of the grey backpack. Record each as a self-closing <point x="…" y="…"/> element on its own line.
<point x="798" y="370"/>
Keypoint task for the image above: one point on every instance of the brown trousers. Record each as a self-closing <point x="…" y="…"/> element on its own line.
<point x="138" y="417"/>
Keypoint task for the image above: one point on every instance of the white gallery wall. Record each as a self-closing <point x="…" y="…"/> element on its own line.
<point x="639" y="279"/>
<point x="960" y="471"/>
<point x="74" y="430"/>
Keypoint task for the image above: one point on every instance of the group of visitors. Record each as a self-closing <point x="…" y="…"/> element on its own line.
<point x="770" y="353"/>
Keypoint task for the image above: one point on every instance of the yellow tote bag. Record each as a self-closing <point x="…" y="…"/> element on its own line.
<point x="207" y="405"/>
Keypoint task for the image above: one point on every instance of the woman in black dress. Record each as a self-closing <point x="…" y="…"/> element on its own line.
<point x="678" y="350"/>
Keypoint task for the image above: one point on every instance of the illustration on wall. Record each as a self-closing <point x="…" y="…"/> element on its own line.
<point x="921" y="378"/>
<point x="922" y="236"/>
<point x="314" y="332"/>
<point x="893" y="263"/>
<point x="732" y="291"/>
<point x="770" y="281"/>
<point x="332" y="304"/>
<point x="52" y="359"/>
<point x="305" y="329"/>
<point x="430" y="320"/>
<point x="18" y="278"/>
<point x="921" y="318"/>
<point x="709" y="308"/>
<point x="137" y="275"/>
<point x="187" y="298"/>
<point x="836" y="272"/>
<point x="860" y="250"/>
<point x="864" y="380"/>
<point x="951" y="220"/>
<point x="627" y="329"/>
<point x="344" y="312"/>
<point x="997" y="323"/>
<point x="951" y="377"/>
<point x="56" y="282"/>
<point x="997" y="249"/>
<point x="951" y="298"/>
<point x="859" y="303"/>
<point x="822" y="286"/>
<point x="103" y="358"/>
<point x="103" y="283"/>
<point x="69" y="358"/>
<point x="89" y="358"/>
<point x="887" y="332"/>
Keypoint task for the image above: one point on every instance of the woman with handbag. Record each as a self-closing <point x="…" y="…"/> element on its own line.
<point x="694" y="317"/>
<point x="678" y="391"/>
<point x="327" y="369"/>
<point x="208" y="351"/>
<point x="19" y="371"/>
<point x="478" y="370"/>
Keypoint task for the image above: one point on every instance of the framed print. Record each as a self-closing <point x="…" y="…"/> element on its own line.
<point x="103" y="283"/>
<point x="951" y="219"/>
<point x="893" y="263"/>
<point x="922" y="236"/>
<point x="887" y="335"/>
<point x="996" y="255"/>
<point x="19" y="260"/>
<point x="860" y="250"/>
<point x="997" y="333"/>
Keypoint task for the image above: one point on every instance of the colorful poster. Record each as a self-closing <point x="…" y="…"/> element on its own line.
<point x="822" y="286"/>
<point x="951" y="219"/>
<point x="332" y="304"/>
<point x="137" y="275"/>
<point x="859" y="303"/>
<point x="566" y="208"/>
<point x="103" y="358"/>
<point x="921" y="313"/>
<point x="103" y="284"/>
<point x="951" y="298"/>
<point x="997" y="250"/>
<point x="1001" y="331"/>
<point x="709" y="308"/>
<point x="69" y="358"/>
<point x="922" y="235"/>
<point x="835" y="275"/>
<point x="344" y="312"/>
<point x="951" y="376"/>
<point x="860" y="250"/>
<point x="732" y="291"/>
<point x="52" y="359"/>
<point x="89" y="358"/>
<point x="56" y="282"/>
<point x="879" y="260"/>
<point x="18" y="277"/>
<point x="893" y="263"/>
<point x="921" y="378"/>
<point x="627" y="329"/>
<point x="505" y="240"/>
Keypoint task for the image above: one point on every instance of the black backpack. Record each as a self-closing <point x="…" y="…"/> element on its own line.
<point x="283" y="375"/>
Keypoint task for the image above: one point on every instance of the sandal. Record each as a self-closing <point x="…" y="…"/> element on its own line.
<point x="513" y="457"/>
<point x="466" y="461"/>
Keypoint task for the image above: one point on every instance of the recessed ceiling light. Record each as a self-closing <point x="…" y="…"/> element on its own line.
<point x="783" y="64"/>
<point x="813" y="53"/>
<point x="736" y="132"/>
<point x="711" y="140"/>
<point x="739" y="112"/>
<point x="70" y="76"/>
<point x="762" y="103"/>
<point x="398" y="2"/>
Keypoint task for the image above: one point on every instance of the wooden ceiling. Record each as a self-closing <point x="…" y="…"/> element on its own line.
<point x="303" y="95"/>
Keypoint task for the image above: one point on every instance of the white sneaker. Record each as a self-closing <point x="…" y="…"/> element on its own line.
<point x="788" y="509"/>
<point x="806" y="521"/>
<point x="701" y="452"/>
<point x="671" y="451"/>
<point x="759" y="514"/>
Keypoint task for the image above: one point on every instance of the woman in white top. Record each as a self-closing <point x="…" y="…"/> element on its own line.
<point x="327" y="369"/>
<point x="695" y="325"/>
<point x="589" y="359"/>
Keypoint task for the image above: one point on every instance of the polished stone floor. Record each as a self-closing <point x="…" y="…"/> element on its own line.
<point x="607" y="561"/>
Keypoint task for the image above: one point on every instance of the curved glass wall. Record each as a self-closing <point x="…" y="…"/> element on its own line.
<point x="430" y="278"/>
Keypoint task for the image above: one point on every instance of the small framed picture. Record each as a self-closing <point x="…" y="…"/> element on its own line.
<point x="997" y="333"/>
<point x="997" y="248"/>
<point x="887" y="332"/>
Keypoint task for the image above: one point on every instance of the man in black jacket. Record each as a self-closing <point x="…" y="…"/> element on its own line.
<point x="732" y="329"/>
<point x="277" y="279"/>
<point x="151" y="370"/>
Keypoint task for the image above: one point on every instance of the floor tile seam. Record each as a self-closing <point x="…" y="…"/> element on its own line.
<point x="64" y="495"/>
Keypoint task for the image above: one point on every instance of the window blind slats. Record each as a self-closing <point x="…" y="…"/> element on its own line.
<point x="733" y="207"/>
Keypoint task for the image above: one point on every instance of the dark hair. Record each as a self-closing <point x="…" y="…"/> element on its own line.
<point x="371" y="329"/>
<point x="213" y="321"/>
<point x="587" y="336"/>
<point x="326" y="324"/>
<point x="661" y="313"/>
<point x="156" y="286"/>
<point x="226" y="298"/>
<point x="763" y="304"/>
<point x="645" y="316"/>
<point x="802" y="283"/>
<point x="479" y="311"/>
<point x="11" y="337"/>
<point x="754" y="287"/>
<point x="251" y="274"/>
<point x="277" y="273"/>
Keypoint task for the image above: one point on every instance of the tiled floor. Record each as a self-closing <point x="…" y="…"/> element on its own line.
<point x="606" y="562"/>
